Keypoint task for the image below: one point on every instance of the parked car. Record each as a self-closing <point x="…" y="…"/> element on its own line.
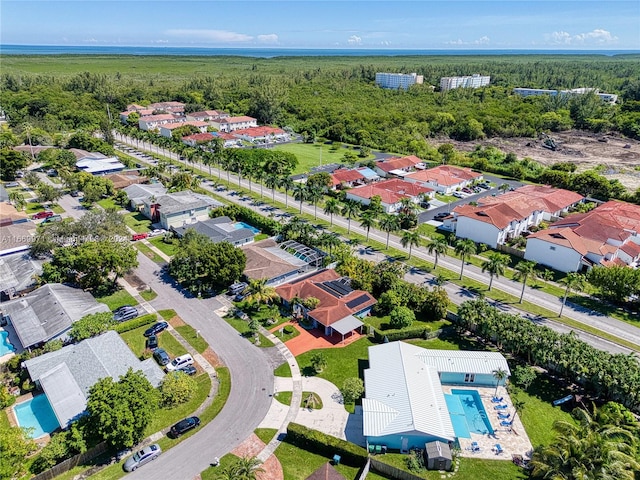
<point x="467" y="190"/>
<point x="126" y="314"/>
<point x="440" y="216"/>
<point x="152" y="342"/>
<point x="157" y="231"/>
<point x="41" y="215"/>
<point x="424" y="204"/>
<point x="52" y="219"/>
<point x="189" y="370"/>
<point x="237" y="288"/>
<point x="181" y="361"/>
<point x="484" y="186"/>
<point x="123" y="308"/>
<point x="183" y="426"/>
<point x="156" y="328"/>
<point x="141" y="457"/>
<point x="11" y="185"/>
<point x="139" y="236"/>
<point x="75" y="193"/>
<point x="161" y="356"/>
<point x="458" y="194"/>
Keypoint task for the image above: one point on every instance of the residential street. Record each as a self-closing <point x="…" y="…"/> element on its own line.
<point x="251" y="386"/>
<point x="574" y="312"/>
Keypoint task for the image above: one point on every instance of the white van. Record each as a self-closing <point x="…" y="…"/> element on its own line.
<point x="179" y="362"/>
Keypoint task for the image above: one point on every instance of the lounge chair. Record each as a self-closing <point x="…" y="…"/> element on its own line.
<point x="500" y="407"/>
<point x="503" y="416"/>
<point x="498" y="449"/>
<point x="475" y="447"/>
<point x="504" y="423"/>
<point x="497" y="399"/>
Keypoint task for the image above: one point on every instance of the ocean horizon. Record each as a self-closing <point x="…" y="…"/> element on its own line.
<point x="280" y="52"/>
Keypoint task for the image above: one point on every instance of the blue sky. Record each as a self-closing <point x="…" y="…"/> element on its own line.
<point x="419" y="24"/>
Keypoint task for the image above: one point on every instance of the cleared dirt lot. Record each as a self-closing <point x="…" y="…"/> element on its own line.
<point x="586" y="150"/>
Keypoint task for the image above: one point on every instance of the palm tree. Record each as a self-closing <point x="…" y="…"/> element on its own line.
<point x="367" y="220"/>
<point x="410" y="238"/>
<point x="260" y="292"/>
<point x="389" y="223"/>
<point x="350" y="209"/>
<point x="314" y="194"/>
<point x="573" y="281"/>
<point x="245" y="468"/>
<point x="464" y="248"/>
<point x="331" y="208"/>
<point x="271" y="180"/>
<point x="504" y="187"/>
<point x="495" y="265"/>
<point x="500" y="375"/>
<point x="437" y="247"/>
<point x="300" y="193"/>
<point x="329" y="240"/>
<point x="286" y="183"/>
<point x="525" y="270"/>
<point x="18" y="199"/>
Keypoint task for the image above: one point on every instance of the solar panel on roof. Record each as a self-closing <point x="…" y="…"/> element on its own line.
<point x="339" y="287"/>
<point x="329" y="290"/>
<point x="358" y="301"/>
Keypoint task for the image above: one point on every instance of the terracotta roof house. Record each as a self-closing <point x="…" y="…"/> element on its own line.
<point x="398" y="166"/>
<point x="326" y="472"/>
<point x="231" y="124"/>
<point x="171" y="107"/>
<point x="344" y="177"/>
<point x="607" y="235"/>
<point x="263" y="135"/>
<point x="339" y="305"/>
<point x="197" y="139"/>
<point x="230" y="139"/>
<point x="167" y="130"/>
<point x="152" y="122"/>
<point x="9" y="215"/>
<point x="124" y="116"/>
<point x="122" y="180"/>
<point x="444" y="178"/>
<point x="391" y="192"/>
<point x="207" y="115"/>
<point x="553" y="202"/>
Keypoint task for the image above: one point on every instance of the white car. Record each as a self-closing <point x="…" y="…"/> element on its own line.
<point x="179" y="362"/>
<point x="458" y="194"/>
<point x="157" y="231"/>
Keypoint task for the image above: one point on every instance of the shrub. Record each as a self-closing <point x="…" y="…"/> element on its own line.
<point x="326" y="445"/>
<point x="136" y="323"/>
<point x="401" y="317"/>
<point x="177" y="388"/>
<point x="415" y="332"/>
<point x="288" y="330"/>
<point x="6" y="399"/>
<point x="352" y="389"/>
<point x="91" y="325"/>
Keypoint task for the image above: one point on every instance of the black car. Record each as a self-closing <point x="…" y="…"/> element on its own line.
<point x="184" y="426"/>
<point x="161" y="356"/>
<point x="441" y="215"/>
<point x="188" y="369"/>
<point x="152" y="342"/>
<point x="156" y="328"/>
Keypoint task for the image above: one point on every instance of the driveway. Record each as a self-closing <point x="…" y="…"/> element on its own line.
<point x="332" y="417"/>
<point x="251" y="386"/>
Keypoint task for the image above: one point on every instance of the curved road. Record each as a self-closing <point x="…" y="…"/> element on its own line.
<point x="251" y="385"/>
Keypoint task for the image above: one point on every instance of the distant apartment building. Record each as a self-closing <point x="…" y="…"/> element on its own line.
<point x="474" y="81"/>
<point x="398" y="80"/>
<point x="528" y="92"/>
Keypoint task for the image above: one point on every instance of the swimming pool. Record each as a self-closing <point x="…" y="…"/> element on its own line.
<point x="5" y="345"/>
<point x="467" y="413"/>
<point x="239" y="225"/>
<point x="36" y="413"/>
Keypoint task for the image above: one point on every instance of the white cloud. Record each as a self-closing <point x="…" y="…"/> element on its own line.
<point x="594" y="37"/>
<point x="270" y="38"/>
<point x="354" y="40"/>
<point x="484" y="40"/>
<point x="90" y="40"/>
<point x="223" y="36"/>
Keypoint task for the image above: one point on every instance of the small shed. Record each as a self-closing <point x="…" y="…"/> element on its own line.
<point x="437" y="456"/>
<point x="326" y="472"/>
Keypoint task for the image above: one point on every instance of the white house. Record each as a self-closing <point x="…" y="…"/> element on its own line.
<point x="231" y="124"/>
<point x="206" y="115"/>
<point x="167" y="129"/>
<point x="473" y="81"/>
<point x="99" y="164"/>
<point x="391" y="193"/>
<point x="178" y="209"/>
<point x="398" y="80"/>
<point x="263" y="135"/>
<point x="445" y="179"/>
<point x="152" y="122"/>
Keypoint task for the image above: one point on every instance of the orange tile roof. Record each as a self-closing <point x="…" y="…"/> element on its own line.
<point x="330" y="309"/>
<point x="194" y="123"/>
<point x="499" y="215"/>
<point x="568" y="238"/>
<point x="260" y="131"/>
<point x="237" y="119"/>
<point x="445" y="175"/>
<point x="390" y="191"/>
<point x="396" y="163"/>
<point x="199" y="137"/>
<point x="632" y="249"/>
<point x="346" y="175"/>
<point x="531" y="198"/>
<point x="157" y="118"/>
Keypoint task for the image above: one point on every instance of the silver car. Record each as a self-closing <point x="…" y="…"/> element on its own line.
<point x="142" y="456"/>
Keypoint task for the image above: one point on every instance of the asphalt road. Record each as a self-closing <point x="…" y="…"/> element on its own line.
<point x="251" y="386"/>
<point x="552" y="303"/>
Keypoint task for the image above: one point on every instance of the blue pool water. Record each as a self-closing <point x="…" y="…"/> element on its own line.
<point x="467" y="413"/>
<point x="239" y="225"/>
<point x="5" y="345"/>
<point x="36" y="413"/>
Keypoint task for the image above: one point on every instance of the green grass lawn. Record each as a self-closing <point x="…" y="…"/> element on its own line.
<point x="148" y="252"/>
<point x="284" y="397"/>
<point x="298" y="464"/>
<point x="148" y="294"/>
<point x="308" y="154"/>
<point x="109" y="203"/>
<point x="137" y="222"/>
<point x="243" y="328"/>
<point x="117" y="299"/>
<point x="265" y="434"/>
<point x="283" y="370"/>
<point x="138" y="342"/>
<point x="191" y="335"/>
<point x="167" y="314"/>
<point x="168" y="249"/>
<point x="34" y="207"/>
<point x="213" y="473"/>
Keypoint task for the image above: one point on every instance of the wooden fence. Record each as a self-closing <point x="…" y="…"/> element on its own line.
<point x="69" y="463"/>
<point x="513" y="251"/>
<point x="365" y="470"/>
<point x="391" y="471"/>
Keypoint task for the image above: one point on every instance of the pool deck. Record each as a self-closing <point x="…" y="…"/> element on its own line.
<point x="513" y="440"/>
<point x="13" y="339"/>
<point x="13" y="420"/>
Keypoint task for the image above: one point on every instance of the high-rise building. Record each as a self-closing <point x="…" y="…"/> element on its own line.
<point x="528" y="92"/>
<point x="474" y="81"/>
<point x="398" y="80"/>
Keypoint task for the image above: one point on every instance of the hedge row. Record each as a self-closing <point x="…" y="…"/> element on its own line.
<point x="244" y="214"/>
<point x="402" y="334"/>
<point x="136" y="323"/>
<point x="326" y="445"/>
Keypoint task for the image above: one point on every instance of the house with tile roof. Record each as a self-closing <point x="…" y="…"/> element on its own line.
<point x="67" y="375"/>
<point x="167" y="130"/>
<point x="444" y="179"/>
<point x="207" y="115"/>
<point x="404" y="404"/>
<point x="398" y="166"/>
<point x="339" y="307"/>
<point x="169" y="107"/>
<point x="231" y="124"/>
<point x="263" y="135"/>
<point x="124" y="116"/>
<point x="607" y="235"/>
<point x="347" y="178"/>
<point x="391" y="192"/>
<point x="152" y="122"/>
<point x="178" y="209"/>
<point x="197" y="139"/>
<point x="497" y="219"/>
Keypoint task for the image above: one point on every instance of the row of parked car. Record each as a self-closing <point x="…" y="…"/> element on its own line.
<point x="183" y="363"/>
